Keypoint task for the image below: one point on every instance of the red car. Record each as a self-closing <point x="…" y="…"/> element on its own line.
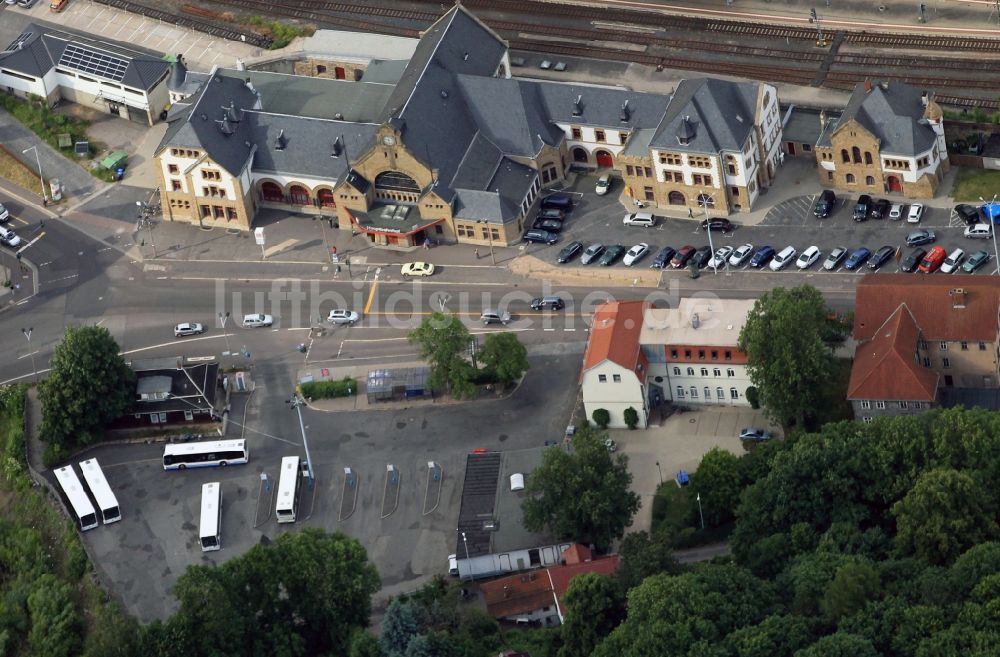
<point x="932" y="261"/>
<point x="682" y="256"/>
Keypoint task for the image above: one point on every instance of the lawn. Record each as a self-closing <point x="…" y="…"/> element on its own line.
<point x="675" y="512"/>
<point x="973" y="184"/>
<point x="15" y="171"/>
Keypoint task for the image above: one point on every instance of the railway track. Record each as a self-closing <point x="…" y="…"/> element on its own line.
<point x="192" y="23"/>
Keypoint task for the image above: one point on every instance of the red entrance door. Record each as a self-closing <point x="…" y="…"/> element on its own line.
<point x="894" y="184"/>
<point x="339" y="73"/>
<point x="791" y="148"/>
<point x="604" y="159"/>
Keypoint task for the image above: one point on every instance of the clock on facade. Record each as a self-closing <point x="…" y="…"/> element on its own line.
<point x="388" y="140"/>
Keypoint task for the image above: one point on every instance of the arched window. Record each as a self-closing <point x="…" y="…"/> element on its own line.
<point x="271" y="191"/>
<point x="850" y="179"/>
<point x="734" y="393"/>
<point x="676" y="198"/>
<point x="720" y="394"/>
<point x="680" y="392"/>
<point x="708" y="394"/>
<point x="856" y="155"/>
<point x="677" y="371"/>
<point x="844" y="155"/>
<point x="869" y="180"/>
<point x="705" y="201"/>
<point x="690" y="371"/>
<point x="704" y="371"/>
<point x="694" y="392"/>
<point x="325" y="198"/>
<point x="580" y="154"/>
<point x="299" y="194"/>
<point x="868" y="157"/>
<point x="396" y="181"/>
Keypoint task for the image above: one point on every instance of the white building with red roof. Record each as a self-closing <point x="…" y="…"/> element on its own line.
<point x="614" y="366"/>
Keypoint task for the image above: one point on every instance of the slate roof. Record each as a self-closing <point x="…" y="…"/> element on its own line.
<point x="42" y="47"/>
<point x="510" y="113"/>
<point x="600" y="105"/>
<point x="802" y="124"/>
<point x="885" y="367"/>
<point x="893" y="112"/>
<point x="721" y="113"/>
<point x="931" y="301"/>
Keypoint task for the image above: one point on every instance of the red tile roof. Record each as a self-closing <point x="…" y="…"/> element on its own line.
<point x="576" y="553"/>
<point x="932" y="300"/>
<point x="518" y="594"/>
<point x="885" y="367"/>
<point x="614" y="335"/>
<point x="561" y="575"/>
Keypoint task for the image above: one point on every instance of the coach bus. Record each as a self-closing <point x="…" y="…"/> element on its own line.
<point x="77" y="498"/>
<point x="107" y="503"/>
<point x="200" y="455"/>
<point x="288" y="489"/>
<point x="211" y="517"/>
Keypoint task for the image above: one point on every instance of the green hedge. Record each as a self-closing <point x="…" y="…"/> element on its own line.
<point x="346" y="387"/>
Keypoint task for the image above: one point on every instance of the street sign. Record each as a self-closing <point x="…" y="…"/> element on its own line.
<point x="258" y="235"/>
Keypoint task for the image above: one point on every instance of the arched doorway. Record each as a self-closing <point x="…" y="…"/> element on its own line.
<point x="271" y="191"/>
<point x="299" y="194"/>
<point x="676" y="198"/>
<point x="604" y="159"/>
<point x="895" y="184"/>
<point x="325" y="198"/>
<point x="580" y="154"/>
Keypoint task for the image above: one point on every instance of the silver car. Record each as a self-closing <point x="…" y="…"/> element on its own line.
<point x="188" y="328"/>
<point x="342" y="316"/>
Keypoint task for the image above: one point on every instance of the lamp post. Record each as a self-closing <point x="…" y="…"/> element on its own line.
<point x="297" y="402"/>
<point x="144" y="212"/>
<point x="993" y="234"/>
<point x="489" y="234"/>
<point x="41" y="178"/>
<point x="703" y="200"/>
<point x="701" y="516"/>
<point x="223" y="318"/>
<point x="27" y="335"/>
<point x="660" y="471"/>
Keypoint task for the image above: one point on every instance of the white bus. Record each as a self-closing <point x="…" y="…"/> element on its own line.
<point x="199" y="455"/>
<point x="77" y="497"/>
<point x="288" y="489"/>
<point x="211" y="517"/>
<point x="107" y="503"/>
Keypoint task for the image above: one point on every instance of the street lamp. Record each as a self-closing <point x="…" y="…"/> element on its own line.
<point x="700" y="514"/>
<point x="27" y="334"/>
<point x="659" y="470"/>
<point x="989" y="215"/>
<point x="297" y="402"/>
<point x="703" y="201"/>
<point x="144" y="212"/>
<point x="41" y="178"/>
<point x="466" y="543"/>
<point x="489" y="234"/>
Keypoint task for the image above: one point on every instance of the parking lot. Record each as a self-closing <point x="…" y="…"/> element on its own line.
<point x="408" y="529"/>
<point x="598" y="219"/>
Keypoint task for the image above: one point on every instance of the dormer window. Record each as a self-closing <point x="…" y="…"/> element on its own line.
<point x="280" y="142"/>
<point x="685" y="131"/>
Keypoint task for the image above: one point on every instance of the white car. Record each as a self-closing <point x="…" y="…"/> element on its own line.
<point x="635" y="254"/>
<point x="953" y="261"/>
<point x="782" y="258"/>
<point x="808" y="257"/>
<point x="603" y="185"/>
<point x="644" y="219"/>
<point x="417" y="269"/>
<point x="257" y="320"/>
<point x="721" y="256"/>
<point x="978" y="232"/>
<point x="342" y="316"/>
<point x="4" y="214"/>
<point x="741" y="255"/>
<point x="9" y="237"/>
<point x="896" y="211"/>
<point x="915" y="213"/>
<point x="188" y="328"/>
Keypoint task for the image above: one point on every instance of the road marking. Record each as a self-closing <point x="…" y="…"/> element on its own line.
<point x="33" y="353"/>
<point x="64" y="278"/>
<point x="170" y="344"/>
<point x="371" y="295"/>
<point x="23" y="376"/>
<point x="36" y="238"/>
<point x="199" y="359"/>
<point x="350" y="360"/>
<point x="374" y="339"/>
<point x="569" y="329"/>
<point x="548" y="329"/>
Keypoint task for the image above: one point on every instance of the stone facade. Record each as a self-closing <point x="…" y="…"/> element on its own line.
<point x="866" y="410"/>
<point x="329" y="68"/>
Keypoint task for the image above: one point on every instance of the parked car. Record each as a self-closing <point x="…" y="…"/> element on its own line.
<point x="825" y="203"/>
<point x="552" y="213"/>
<point x="754" y="434"/>
<point x="857" y="258"/>
<point x="724" y="225"/>
<point x="915" y="214"/>
<point x="741" y="255"/>
<point x="975" y="261"/>
<point x="612" y="253"/>
<point x="702" y="256"/>
<point x="721" y="257"/>
<point x="453" y="565"/>
<point x="603" y="185"/>
<point x="635" y="254"/>
<point x="808" y="257"/>
<point x="491" y="316"/>
<point x="682" y="256"/>
<point x="592" y="253"/>
<point x="933" y="260"/>
<point x="416" y="269"/>
<point x="834" y="259"/>
<point x="9" y="237"/>
<point x="342" y="316"/>
<point x="551" y="225"/>
<point x="881" y="256"/>
<point x="897" y="211"/>
<point x="643" y="219"/>
<point x="968" y="213"/>
<point x="663" y="257"/>
<point x="912" y="259"/>
<point x="26" y="4"/>
<point x="563" y="202"/>
<point x="862" y="207"/>
<point x="569" y="252"/>
<point x="879" y="209"/>
<point x="953" y="261"/>
<point x="541" y="236"/>
<point x="257" y="320"/>
<point x="978" y="232"/>
<point x="188" y="328"/>
<point x="4" y="214"/>
<point x="918" y="237"/>
<point x="782" y="258"/>
<point x="762" y="257"/>
<point x="548" y="303"/>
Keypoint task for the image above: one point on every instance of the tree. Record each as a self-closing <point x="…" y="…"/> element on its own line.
<point x="363" y="644"/>
<point x="853" y="586"/>
<point x="787" y="360"/>
<point x="403" y="621"/>
<point x="631" y="417"/>
<point x="943" y="515"/>
<point x="753" y="397"/>
<point x="444" y="343"/>
<point x="840" y="644"/>
<point x="601" y="417"/>
<point x="88" y="385"/>
<point x="504" y="356"/>
<point x="55" y="623"/>
<point x="581" y="495"/>
<point x="595" y="606"/>
<point x="643" y="556"/>
<point x="719" y="481"/>
<point x="775" y="636"/>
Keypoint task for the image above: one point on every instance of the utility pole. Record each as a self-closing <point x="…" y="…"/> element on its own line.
<point x="815" y="18"/>
<point x="701" y="516"/>
<point x="41" y="178"/>
<point x="993" y="232"/>
<point x="145" y="210"/>
<point x="297" y="403"/>
<point x="27" y="334"/>
<point x="703" y="200"/>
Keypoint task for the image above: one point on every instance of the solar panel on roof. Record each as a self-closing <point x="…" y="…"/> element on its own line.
<point x="24" y="36"/>
<point x="92" y="61"/>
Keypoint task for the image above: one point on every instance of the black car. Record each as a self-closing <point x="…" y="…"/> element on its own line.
<point x="918" y="237"/>
<point x="552" y="213"/>
<point x="824" y="204"/>
<point x="862" y="207"/>
<point x="881" y="256"/>
<point x="562" y="202"/>
<point x="913" y="258"/>
<point x="548" y="303"/>
<point x="543" y="236"/>
<point x="717" y="224"/>
<point x="569" y="252"/>
<point x="968" y="213"/>
<point x="551" y="225"/>
<point x="879" y="209"/>
<point x="701" y="257"/>
<point x="663" y="257"/>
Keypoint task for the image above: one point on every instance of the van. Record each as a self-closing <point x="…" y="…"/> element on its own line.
<point x="785" y="256"/>
<point x="824" y="204"/>
<point x="57" y="5"/>
<point x="644" y="219"/>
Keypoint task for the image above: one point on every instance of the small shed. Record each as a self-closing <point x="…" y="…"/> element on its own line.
<point x="403" y="383"/>
<point x="115" y="160"/>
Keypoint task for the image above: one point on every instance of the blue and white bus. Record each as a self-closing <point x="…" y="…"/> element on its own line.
<point x="200" y="455"/>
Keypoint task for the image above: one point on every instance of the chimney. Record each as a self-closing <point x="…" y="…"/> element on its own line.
<point x="957" y="298"/>
<point x="868" y="86"/>
<point x="578" y="106"/>
<point x="923" y="99"/>
<point x="695" y="321"/>
<point x="822" y="120"/>
<point x="279" y="141"/>
<point x="506" y="591"/>
<point x="178" y="73"/>
<point x="335" y="152"/>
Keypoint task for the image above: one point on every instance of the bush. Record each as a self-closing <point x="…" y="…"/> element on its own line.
<point x="753" y="397"/>
<point x="631" y="418"/>
<point x="601" y="417"/>
<point x="346" y="387"/>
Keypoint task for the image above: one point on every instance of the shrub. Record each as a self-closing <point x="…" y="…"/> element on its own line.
<point x="753" y="397"/>
<point x="631" y="418"/>
<point x="346" y="387"/>
<point x="602" y="417"/>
